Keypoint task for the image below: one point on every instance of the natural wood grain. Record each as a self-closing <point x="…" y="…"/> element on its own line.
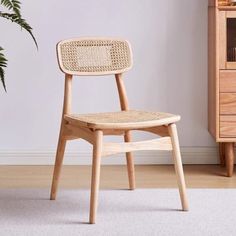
<point x="221" y="79"/>
<point x="81" y="132"/>
<point x="154" y="144"/>
<point x="228" y="126"/>
<point x="212" y="3"/>
<point x="62" y="138"/>
<point x="124" y="105"/>
<point x="97" y="151"/>
<point x="222" y="154"/>
<point x="216" y="64"/>
<point x="231" y="14"/>
<point x="213" y="65"/>
<point x="222" y="40"/>
<point x="130" y="162"/>
<point x="58" y="165"/>
<point x="67" y="95"/>
<point x="230" y="65"/>
<point x="228" y="81"/>
<point x="178" y="166"/>
<point x="113" y="132"/>
<point x="147" y="176"/>
<point x="228" y="103"/>
<point x="227" y="8"/>
<point x="227" y="118"/>
<point x="229" y="158"/>
<point x="159" y="130"/>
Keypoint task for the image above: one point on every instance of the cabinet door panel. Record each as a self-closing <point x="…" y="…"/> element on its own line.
<point x="227" y="126"/>
<point x="231" y="42"/>
<point x="227" y="42"/>
<point x="227" y="81"/>
<point x="228" y="103"/>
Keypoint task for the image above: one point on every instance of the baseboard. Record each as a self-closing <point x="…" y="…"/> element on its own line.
<point x="190" y="155"/>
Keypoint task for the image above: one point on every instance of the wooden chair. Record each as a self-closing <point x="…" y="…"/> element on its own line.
<point x="103" y="56"/>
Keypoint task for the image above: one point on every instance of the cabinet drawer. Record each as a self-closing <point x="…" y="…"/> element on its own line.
<point x="227" y="126"/>
<point x="227" y="103"/>
<point x="227" y="81"/>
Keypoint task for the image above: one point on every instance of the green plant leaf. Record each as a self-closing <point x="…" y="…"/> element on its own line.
<point x="3" y="63"/>
<point x="20" y="21"/>
<point x="13" y="5"/>
<point x="14" y="15"/>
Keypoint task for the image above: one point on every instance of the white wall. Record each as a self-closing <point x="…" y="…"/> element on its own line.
<point x="169" y="40"/>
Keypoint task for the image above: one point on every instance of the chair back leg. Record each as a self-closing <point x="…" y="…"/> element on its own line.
<point x="58" y="164"/>
<point x="130" y="163"/>
<point x="95" y="181"/>
<point x="178" y="165"/>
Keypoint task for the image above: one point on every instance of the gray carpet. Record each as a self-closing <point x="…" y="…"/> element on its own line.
<point x="121" y="212"/>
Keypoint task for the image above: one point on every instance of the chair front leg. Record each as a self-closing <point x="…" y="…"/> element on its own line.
<point x="95" y="181"/>
<point x="130" y="163"/>
<point x="58" y="164"/>
<point x="178" y="165"/>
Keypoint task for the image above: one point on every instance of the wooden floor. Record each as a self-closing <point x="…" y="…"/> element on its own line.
<point x="115" y="177"/>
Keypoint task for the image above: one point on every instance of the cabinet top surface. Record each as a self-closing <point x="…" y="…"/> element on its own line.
<point x="222" y="5"/>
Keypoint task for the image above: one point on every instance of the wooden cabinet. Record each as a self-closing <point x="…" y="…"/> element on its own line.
<point x="222" y="78"/>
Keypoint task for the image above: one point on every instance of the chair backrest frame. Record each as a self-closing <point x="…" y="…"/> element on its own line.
<point x="69" y="77"/>
<point x="94" y="56"/>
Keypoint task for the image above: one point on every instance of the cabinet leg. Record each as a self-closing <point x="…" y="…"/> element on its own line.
<point x="229" y="158"/>
<point x="222" y="154"/>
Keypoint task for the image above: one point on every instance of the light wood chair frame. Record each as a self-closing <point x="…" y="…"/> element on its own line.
<point x="168" y="141"/>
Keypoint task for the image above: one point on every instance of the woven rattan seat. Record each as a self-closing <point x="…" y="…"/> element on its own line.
<point x="122" y="120"/>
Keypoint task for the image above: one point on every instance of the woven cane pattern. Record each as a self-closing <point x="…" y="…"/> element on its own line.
<point x="121" y="117"/>
<point x="131" y="117"/>
<point x="95" y="55"/>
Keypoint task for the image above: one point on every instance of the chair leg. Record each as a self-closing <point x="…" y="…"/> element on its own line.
<point x="97" y="149"/>
<point x="58" y="164"/>
<point x="178" y="166"/>
<point x="130" y="163"/>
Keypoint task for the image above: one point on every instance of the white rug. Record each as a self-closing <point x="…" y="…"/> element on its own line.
<point x="121" y="212"/>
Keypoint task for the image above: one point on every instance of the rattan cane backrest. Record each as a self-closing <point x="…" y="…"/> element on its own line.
<point x="94" y="56"/>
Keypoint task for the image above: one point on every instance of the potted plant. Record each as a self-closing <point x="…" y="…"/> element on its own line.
<point x="12" y="13"/>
